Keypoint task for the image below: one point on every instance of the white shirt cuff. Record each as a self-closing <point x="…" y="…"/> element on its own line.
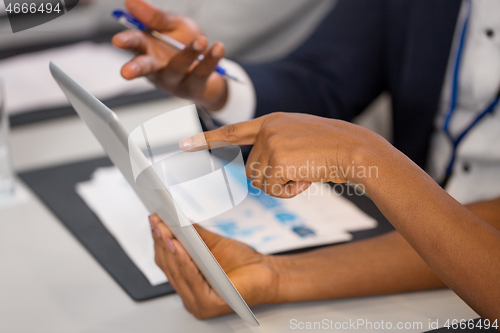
<point x="241" y="100"/>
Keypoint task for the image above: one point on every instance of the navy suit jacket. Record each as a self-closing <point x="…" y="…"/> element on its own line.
<point x="362" y="48"/>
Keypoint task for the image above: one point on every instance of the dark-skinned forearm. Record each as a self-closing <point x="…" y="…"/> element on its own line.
<point x="462" y="249"/>
<point x="382" y="265"/>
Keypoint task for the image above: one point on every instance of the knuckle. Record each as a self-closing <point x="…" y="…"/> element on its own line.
<point x="190" y="283"/>
<point x="205" y="310"/>
<point x="277" y="115"/>
<point x="177" y="280"/>
<point x="219" y="304"/>
<point x="136" y="38"/>
<point x="198" y="311"/>
<point x="276" y="190"/>
<point x="189" y="307"/>
<point x="268" y="131"/>
<point x="158" y="18"/>
<point x="182" y="267"/>
<point x="278" y="159"/>
<point x="198" y="315"/>
<point x="145" y="64"/>
<point x="273" y="142"/>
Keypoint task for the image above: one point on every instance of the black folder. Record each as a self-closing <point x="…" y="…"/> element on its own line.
<point x="56" y="188"/>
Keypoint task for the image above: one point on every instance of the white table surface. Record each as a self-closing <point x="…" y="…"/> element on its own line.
<point x="50" y="283"/>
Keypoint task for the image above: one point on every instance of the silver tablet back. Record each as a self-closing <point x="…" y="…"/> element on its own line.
<point x="113" y="137"/>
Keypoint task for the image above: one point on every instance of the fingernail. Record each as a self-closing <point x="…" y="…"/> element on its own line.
<point x="124" y="39"/>
<point x="197" y="142"/>
<point x="170" y="245"/>
<point x="186" y="144"/>
<point x="151" y="222"/>
<point x="158" y="232"/>
<point x="216" y="51"/>
<point x="198" y="45"/>
<point x="134" y="67"/>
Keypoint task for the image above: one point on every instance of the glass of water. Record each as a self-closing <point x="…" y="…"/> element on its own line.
<point x="7" y="181"/>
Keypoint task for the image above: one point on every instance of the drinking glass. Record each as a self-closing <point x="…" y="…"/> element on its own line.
<point x="6" y="172"/>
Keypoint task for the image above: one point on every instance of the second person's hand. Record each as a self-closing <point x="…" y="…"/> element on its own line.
<point x="177" y="72"/>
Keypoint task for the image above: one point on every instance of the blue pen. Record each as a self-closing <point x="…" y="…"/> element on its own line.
<point x="129" y="21"/>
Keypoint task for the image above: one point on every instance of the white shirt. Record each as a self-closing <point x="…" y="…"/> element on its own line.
<point x="241" y="99"/>
<point x="476" y="172"/>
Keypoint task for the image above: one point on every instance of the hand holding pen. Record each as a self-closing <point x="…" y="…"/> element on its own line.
<point x="179" y="72"/>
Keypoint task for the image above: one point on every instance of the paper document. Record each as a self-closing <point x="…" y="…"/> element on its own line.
<point x="29" y="85"/>
<point x="117" y="206"/>
<point x="270" y="225"/>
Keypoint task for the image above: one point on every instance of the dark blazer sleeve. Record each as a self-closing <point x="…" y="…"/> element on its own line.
<point x="335" y="73"/>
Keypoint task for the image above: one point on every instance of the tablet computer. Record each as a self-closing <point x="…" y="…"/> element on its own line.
<point x="114" y="138"/>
